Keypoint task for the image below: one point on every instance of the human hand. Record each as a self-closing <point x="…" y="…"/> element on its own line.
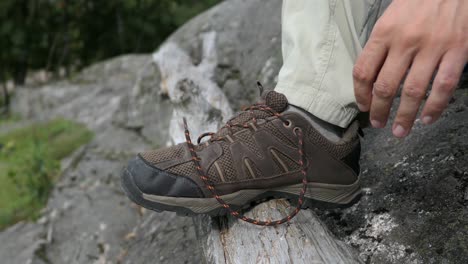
<point x="416" y="37"/>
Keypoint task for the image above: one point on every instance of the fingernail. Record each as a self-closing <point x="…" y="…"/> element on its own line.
<point x="399" y="131"/>
<point x="361" y="107"/>
<point x="376" y="124"/>
<point x="427" y="120"/>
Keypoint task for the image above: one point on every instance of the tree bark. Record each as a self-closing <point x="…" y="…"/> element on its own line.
<point x="5" y="108"/>
<point x="20" y="70"/>
<point x="304" y="240"/>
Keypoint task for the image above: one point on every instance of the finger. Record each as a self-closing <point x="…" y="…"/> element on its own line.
<point x="414" y="91"/>
<point x="386" y="86"/>
<point x="365" y="71"/>
<point x="445" y="82"/>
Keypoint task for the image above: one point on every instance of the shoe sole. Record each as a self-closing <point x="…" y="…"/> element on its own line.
<point x="318" y="195"/>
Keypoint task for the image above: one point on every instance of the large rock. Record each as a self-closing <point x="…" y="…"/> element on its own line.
<point x="415" y="207"/>
<point x="209" y="68"/>
<point x="88" y="219"/>
<point x="246" y="47"/>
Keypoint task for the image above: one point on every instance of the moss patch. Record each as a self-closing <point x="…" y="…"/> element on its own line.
<point x="30" y="163"/>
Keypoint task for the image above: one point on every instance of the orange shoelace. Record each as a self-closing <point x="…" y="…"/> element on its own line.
<point x="209" y="186"/>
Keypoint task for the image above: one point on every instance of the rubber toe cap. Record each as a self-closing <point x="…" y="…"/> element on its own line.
<point x="151" y="180"/>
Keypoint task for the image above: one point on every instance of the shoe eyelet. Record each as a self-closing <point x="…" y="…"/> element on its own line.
<point x="287" y="123"/>
<point x="296" y="129"/>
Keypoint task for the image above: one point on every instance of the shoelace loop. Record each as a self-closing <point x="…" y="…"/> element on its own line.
<point x="229" y="125"/>
<point x="209" y="186"/>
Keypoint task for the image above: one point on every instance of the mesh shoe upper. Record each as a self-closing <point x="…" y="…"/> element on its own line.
<point x="257" y="145"/>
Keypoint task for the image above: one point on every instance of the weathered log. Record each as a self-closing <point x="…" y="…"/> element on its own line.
<point x="304" y="240"/>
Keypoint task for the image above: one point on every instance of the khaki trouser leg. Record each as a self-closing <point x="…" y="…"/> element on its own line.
<point x="321" y="40"/>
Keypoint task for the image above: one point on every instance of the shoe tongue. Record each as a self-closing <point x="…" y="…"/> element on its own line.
<point x="276" y="101"/>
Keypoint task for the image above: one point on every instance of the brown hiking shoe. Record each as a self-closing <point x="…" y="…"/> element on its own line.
<point x="270" y="150"/>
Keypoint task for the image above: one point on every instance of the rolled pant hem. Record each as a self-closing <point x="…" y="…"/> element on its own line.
<point x="319" y="103"/>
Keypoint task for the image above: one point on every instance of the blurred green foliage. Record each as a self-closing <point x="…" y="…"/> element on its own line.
<point x="8" y="119"/>
<point x="30" y="163"/>
<point x="70" y="34"/>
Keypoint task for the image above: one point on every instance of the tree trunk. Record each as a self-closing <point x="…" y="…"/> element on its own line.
<point x="5" y="108"/>
<point x="20" y="71"/>
<point x="304" y="240"/>
<point x="64" y="60"/>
